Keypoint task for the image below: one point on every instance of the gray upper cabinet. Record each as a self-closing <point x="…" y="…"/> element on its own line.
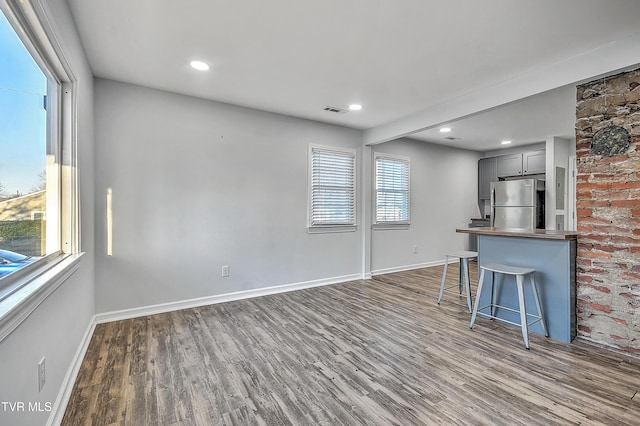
<point x="509" y="165"/>
<point x="487" y="173"/>
<point x="491" y="169"/>
<point x="533" y="162"/>
<point x="526" y="163"/>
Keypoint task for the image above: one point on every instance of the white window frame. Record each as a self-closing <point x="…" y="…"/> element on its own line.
<point x="318" y="227"/>
<point x="390" y="224"/>
<point x="22" y="291"/>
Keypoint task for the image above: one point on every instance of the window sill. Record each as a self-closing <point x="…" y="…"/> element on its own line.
<point x="19" y="305"/>
<point x="330" y="229"/>
<point x="390" y="226"/>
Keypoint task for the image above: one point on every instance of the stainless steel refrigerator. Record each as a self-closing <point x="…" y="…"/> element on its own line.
<point x="518" y="204"/>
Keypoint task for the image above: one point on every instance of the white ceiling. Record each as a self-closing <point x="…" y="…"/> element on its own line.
<point x="524" y="122"/>
<point x="395" y="57"/>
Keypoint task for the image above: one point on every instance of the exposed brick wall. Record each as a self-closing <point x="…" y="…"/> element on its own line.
<point x="608" y="210"/>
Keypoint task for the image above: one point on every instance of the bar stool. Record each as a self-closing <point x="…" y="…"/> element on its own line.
<point x="519" y="273"/>
<point x="464" y="257"/>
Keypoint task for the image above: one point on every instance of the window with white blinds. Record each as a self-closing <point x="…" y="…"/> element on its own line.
<point x="332" y="187"/>
<point x="392" y="197"/>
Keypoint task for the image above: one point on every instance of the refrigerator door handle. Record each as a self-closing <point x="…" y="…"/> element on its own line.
<point x="493" y="209"/>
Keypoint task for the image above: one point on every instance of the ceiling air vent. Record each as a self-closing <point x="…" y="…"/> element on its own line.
<point x="335" y="109"/>
<point x="452" y="138"/>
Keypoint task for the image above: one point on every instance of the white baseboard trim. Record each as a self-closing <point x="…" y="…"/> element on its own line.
<point x="408" y="267"/>
<point x="221" y="298"/>
<point x="60" y="404"/>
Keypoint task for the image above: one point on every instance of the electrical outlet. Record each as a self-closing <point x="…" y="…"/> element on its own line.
<point x="42" y="374"/>
<point x="415" y="249"/>
<point x="225" y="271"/>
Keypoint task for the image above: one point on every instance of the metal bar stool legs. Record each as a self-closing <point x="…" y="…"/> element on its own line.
<point x="519" y="274"/>
<point x="464" y="257"/>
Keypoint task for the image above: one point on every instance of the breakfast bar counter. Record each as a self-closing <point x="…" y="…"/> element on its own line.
<point x="553" y="255"/>
<point x="544" y="234"/>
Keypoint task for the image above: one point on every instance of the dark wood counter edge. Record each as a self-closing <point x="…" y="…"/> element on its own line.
<point x="522" y="233"/>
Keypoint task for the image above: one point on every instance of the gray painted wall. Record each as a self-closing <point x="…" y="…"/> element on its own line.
<point x="444" y="196"/>
<point x="56" y="328"/>
<point x="197" y="185"/>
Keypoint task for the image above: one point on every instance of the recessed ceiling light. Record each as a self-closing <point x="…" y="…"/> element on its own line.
<point x="505" y="142"/>
<point x="355" y="107"/>
<point x="445" y="129"/>
<point x="199" y="65"/>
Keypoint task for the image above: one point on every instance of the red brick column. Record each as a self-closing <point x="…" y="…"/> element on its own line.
<point x="608" y="210"/>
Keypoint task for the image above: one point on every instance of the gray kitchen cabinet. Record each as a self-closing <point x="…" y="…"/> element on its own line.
<point x="533" y="162"/>
<point x="487" y="173"/>
<point x="509" y="165"/>
<point x="526" y="163"/>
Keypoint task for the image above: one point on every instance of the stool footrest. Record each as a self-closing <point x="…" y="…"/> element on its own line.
<point x="446" y="289"/>
<point x="506" y="308"/>
<point x="538" y="318"/>
<point x="482" y="314"/>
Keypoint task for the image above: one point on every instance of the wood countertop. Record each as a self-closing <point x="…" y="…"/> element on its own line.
<point x="522" y="233"/>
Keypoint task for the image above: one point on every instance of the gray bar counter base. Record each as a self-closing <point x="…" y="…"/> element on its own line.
<point x="553" y="256"/>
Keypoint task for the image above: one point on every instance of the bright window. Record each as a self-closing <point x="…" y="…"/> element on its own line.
<point x="332" y="194"/>
<point x="36" y="191"/>
<point x="392" y="190"/>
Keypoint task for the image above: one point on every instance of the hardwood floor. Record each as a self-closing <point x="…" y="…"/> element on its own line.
<point x="376" y="352"/>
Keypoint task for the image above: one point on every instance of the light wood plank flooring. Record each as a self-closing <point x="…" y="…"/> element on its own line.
<point x="376" y="352"/>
